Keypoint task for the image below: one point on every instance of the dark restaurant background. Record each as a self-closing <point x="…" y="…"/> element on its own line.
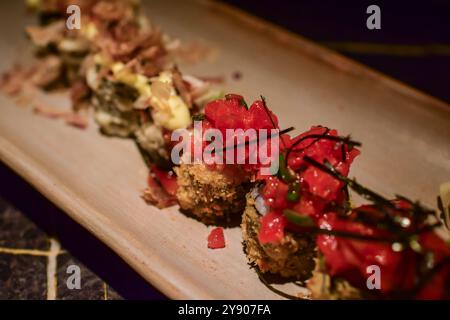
<point x="413" y="44"/>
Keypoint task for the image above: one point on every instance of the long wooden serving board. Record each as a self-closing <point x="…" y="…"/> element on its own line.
<point x="97" y="180"/>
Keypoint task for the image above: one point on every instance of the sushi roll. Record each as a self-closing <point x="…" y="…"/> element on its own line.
<point x="363" y="252"/>
<point x="126" y="54"/>
<point x="52" y="37"/>
<point x="136" y="91"/>
<point x="352" y="253"/>
<point x="218" y="191"/>
<point x="148" y="109"/>
<point x="212" y="194"/>
<point x="62" y="50"/>
<point x="271" y="241"/>
<point x="118" y="64"/>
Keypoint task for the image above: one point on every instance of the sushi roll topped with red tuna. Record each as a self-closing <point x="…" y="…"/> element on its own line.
<point x="298" y="192"/>
<point x="300" y="225"/>
<point x="385" y="250"/>
<point x="216" y="186"/>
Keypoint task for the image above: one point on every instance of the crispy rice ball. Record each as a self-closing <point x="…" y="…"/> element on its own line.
<point x="212" y="195"/>
<point x="293" y="258"/>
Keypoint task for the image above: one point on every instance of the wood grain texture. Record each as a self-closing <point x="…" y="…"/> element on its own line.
<point x="97" y="180"/>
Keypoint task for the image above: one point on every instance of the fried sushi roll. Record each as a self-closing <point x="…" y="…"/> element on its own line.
<point x="357" y="252"/>
<point x="272" y="242"/>
<point x="216" y="191"/>
<point x="212" y="195"/>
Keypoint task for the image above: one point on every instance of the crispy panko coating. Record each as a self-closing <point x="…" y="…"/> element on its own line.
<point x="210" y="194"/>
